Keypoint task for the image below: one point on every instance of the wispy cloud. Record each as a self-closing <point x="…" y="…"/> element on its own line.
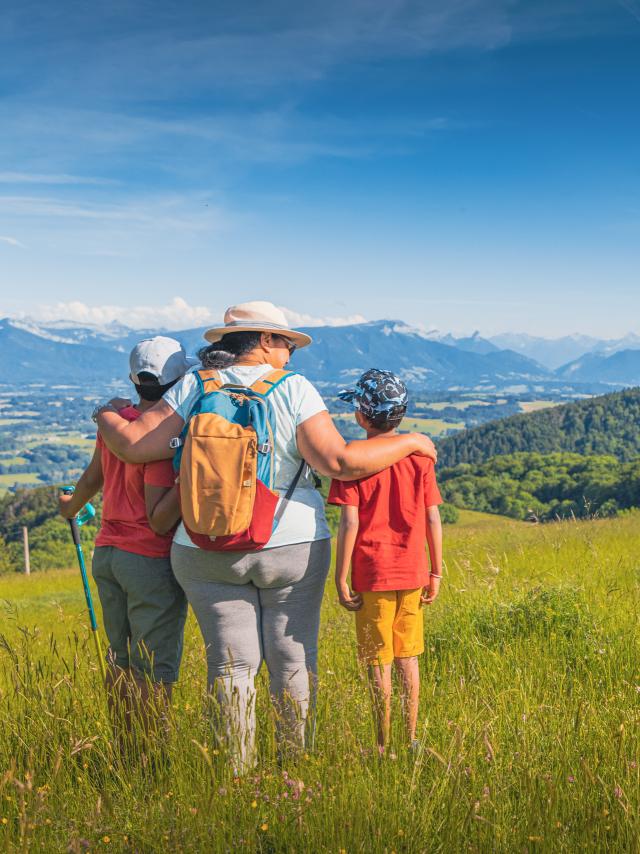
<point x="297" y="318"/>
<point x="171" y="212"/>
<point x="632" y="7"/>
<point x="35" y="178"/>
<point x="249" y="47"/>
<point x="12" y="241"/>
<point x="175" y="315"/>
<point x="279" y="134"/>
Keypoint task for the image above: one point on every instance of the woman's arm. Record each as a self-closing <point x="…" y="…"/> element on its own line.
<point x="163" y="507"/>
<point x="325" y="450"/>
<point x="90" y="482"/>
<point x="145" y="439"/>
<point x="347" y="533"/>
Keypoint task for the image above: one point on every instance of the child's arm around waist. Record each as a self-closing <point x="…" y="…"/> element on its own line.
<point x="347" y="533"/>
<point x="163" y="508"/>
<point x="434" y="540"/>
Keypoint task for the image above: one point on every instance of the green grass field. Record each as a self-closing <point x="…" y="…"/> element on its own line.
<point x="432" y="426"/>
<point x="537" y="405"/>
<point x="77" y="439"/>
<point x="12" y="461"/>
<point x="22" y="478"/>
<point x="529" y="720"/>
<point x="458" y="404"/>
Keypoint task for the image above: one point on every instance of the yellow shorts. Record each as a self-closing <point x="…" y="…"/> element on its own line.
<point x="389" y="625"/>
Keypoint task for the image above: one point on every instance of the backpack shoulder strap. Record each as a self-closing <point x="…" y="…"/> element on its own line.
<point x="208" y="381"/>
<point x="266" y="384"/>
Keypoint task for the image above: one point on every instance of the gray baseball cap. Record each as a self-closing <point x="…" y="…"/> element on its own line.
<point x="164" y="358"/>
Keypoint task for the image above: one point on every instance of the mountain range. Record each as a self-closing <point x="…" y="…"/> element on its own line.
<point x="553" y="353"/>
<point x="62" y="352"/>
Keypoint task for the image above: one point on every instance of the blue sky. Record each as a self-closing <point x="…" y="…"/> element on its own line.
<point x="460" y="165"/>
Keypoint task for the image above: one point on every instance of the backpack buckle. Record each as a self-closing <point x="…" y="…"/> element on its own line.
<point x="175" y="443"/>
<point x="264" y="448"/>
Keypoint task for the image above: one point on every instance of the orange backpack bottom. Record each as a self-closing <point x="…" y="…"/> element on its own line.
<point x="255" y="537"/>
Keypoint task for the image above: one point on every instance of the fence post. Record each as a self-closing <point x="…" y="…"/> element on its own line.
<point x="27" y="559"/>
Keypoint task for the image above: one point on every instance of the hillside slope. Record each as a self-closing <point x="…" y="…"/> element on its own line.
<point x="600" y="425"/>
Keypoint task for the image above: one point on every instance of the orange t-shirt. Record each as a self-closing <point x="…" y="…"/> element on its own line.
<point x="390" y="550"/>
<point x="124" y="513"/>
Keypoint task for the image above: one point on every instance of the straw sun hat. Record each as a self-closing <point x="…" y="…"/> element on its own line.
<point x="256" y="317"/>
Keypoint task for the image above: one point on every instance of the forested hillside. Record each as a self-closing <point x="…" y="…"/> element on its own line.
<point x="49" y="535"/>
<point x="544" y="486"/>
<point x="609" y="424"/>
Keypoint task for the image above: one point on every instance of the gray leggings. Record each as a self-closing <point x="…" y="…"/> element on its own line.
<point x="255" y="606"/>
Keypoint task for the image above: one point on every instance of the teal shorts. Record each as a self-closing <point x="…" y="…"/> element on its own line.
<point x="144" y="610"/>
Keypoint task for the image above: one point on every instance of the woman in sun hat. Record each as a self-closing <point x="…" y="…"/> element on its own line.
<point x="265" y="605"/>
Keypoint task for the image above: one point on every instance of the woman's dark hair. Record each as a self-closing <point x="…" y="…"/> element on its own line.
<point x="228" y="349"/>
<point x="150" y="388"/>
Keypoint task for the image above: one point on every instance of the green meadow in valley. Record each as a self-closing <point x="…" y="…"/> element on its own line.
<point x="529" y="721"/>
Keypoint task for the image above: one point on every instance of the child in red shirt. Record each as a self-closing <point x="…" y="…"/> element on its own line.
<point x="143" y="607"/>
<point x="386" y="520"/>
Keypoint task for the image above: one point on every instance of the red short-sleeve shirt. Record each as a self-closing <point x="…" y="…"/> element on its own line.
<point x="124" y="512"/>
<point x="390" y="550"/>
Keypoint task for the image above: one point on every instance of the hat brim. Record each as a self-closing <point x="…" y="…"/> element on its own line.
<point x="300" y="339"/>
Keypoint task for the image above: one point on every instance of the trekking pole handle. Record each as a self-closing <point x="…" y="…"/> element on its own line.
<point x="85" y="515"/>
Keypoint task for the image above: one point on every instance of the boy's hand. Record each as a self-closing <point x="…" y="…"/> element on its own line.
<point x="349" y="600"/>
<point x="430" y="593"/>
<point x="63" y="506"/>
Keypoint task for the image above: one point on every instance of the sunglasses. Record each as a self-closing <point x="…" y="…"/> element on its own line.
<point x="291" y="347"/>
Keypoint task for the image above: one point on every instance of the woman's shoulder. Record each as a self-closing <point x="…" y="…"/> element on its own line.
<point x="301" y="396"/>
<point x="298" y="382"/>
<point x="180" y="393"/>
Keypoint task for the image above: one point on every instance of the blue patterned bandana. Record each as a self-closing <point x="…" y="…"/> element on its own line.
<point x="379" y="395"/>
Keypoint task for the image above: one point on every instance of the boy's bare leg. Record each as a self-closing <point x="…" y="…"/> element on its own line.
<point x="409" y="673"/>
<point x="380" y="679"/>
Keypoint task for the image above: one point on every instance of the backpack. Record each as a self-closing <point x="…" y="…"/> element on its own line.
<point x="225" y="460"/>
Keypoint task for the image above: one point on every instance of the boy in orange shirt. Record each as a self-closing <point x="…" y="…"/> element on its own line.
<point x="386" y="520"/>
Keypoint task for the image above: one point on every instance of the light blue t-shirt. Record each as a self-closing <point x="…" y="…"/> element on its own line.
<point x="293" y="402"/>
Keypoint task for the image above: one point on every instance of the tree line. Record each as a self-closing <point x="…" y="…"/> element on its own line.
<point x="545" y="486"/>
<point x="605" y="425"/>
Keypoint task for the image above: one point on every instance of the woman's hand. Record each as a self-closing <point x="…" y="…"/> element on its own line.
<point x="349" y="600"/>
<point x="424" y="446"/>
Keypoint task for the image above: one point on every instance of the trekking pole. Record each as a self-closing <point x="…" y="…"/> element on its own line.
<point x="85" y="515"/>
